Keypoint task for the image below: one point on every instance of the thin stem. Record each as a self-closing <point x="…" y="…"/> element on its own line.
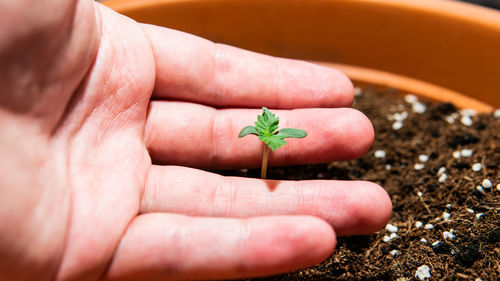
<point x="265" y="157"/>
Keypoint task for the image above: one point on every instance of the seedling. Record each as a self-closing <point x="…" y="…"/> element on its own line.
<point x="266" y="128"/>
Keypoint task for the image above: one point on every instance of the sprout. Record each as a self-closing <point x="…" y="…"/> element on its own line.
<point x="266" y="128"/>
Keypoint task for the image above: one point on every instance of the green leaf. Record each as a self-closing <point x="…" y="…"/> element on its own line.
<point x="292" y="133"/>
<point x="266" y="128"/>
<point x="273" y="141"/>
<point x="267" y="123"/>
<point x="247" y="131"/>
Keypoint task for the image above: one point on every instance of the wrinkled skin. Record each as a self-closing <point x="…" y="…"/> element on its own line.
<point x="104" y="124"/>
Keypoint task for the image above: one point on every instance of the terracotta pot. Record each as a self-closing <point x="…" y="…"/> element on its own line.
<point x="445" y="50"/>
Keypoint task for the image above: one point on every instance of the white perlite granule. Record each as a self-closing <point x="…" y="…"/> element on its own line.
<point x="429" y="226"/>
<point x="466" y="120"/>
<point x="480" y="189"/>
<point x="441" y="170"/>
<point x="411" y="99"/>
<point x="398" y="116"/>
<point x="446" y="216"/>
<point x="391" y="228"/>
<point x="466" y="153"/>
<point x="468" y="112"/>
<point x="486" y="183"/>
<point x="419" y="166"/>
<point x="379" y="154"/>
<point x="423" y="272"/>
<point x="357" y="91"/>
<point x="442" y="178"/>
<point x="419" y="108"/>
<point x="397" y="125"/>
<point x="423" y="158"/>
<point x="497" y="113"/>
<point x="448" y="235"/>
<point x="477" y="167"/>
<point x="394" y="252"/>
<point x="388" y="238"/>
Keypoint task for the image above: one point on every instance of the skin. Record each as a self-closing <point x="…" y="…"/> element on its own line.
<point x="92" y="103"/>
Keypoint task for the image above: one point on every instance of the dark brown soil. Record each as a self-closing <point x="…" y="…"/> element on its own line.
<point x="418" y="195"/>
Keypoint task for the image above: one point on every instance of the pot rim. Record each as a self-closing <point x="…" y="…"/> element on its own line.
<point x="472" y="82"/>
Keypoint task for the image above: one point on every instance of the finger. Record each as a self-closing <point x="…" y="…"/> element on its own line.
<point x="193" y="69"/>
<point x="174" y="247"/>
<point x="351" y="207"/>
<point x="198" y="136"/>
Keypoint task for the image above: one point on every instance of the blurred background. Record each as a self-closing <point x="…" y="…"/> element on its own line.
<point x="487" y="3"/>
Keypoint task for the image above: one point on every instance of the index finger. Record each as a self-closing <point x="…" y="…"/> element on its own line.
<point x="190" y="68"/>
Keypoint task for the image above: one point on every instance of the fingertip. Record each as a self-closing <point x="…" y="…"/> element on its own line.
<point x="326" y="238"/>
<point x="333" y="87"/>
<point x="383" y="204"/>
<point x="353" y="137"/>
<point x="371" y="210"/>
<point x="301" y="241"/>
<point x="365" y="128"/>
<point x="343" y="89"/>
<point x="321" y="239"/>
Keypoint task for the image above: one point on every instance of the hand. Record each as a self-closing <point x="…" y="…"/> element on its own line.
<point x="91" y="99"/>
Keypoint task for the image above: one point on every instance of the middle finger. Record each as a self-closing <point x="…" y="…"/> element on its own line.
<point x="188" y="134"/>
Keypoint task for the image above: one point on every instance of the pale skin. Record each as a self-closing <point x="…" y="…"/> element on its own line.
<point x="105" y="124"/>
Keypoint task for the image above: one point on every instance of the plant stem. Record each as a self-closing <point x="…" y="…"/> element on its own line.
<point x="265" y="157"/>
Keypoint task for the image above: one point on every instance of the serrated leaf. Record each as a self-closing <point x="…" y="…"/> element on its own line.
<point x="267" y="123"/>
<point x="266" y="128"/>
<point x="292" y="133"/>
<point x="273" y="141"/>
<point x="248" y="130"/>
<point x="261" y="127"/>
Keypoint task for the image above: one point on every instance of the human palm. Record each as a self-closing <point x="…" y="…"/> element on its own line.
<point x="96" y="156"/>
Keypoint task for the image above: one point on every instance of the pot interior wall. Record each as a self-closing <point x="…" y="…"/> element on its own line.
<point x="449" y="46"/>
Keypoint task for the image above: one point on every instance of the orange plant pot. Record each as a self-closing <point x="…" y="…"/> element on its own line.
<point x="444" y="50"/>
